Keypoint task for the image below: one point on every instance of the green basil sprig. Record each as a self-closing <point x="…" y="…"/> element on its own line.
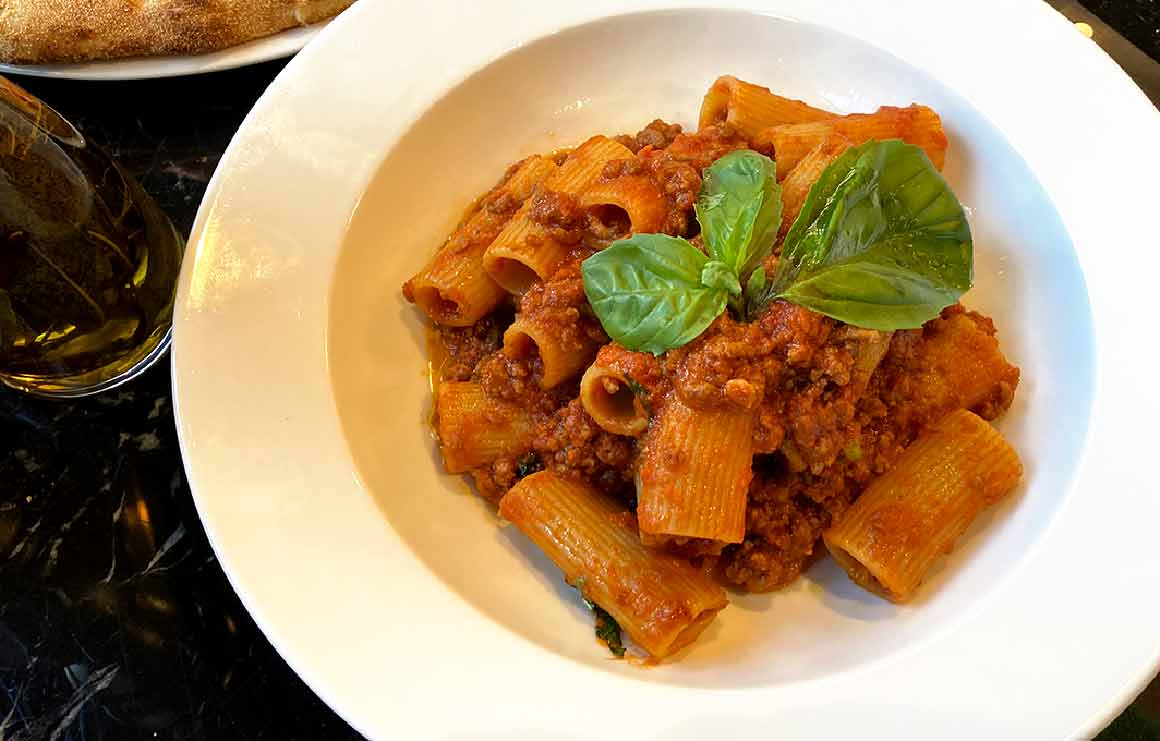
<point x="739" y="209"/>
<point x="881" y="241"/>
<point x="653" y="292"/>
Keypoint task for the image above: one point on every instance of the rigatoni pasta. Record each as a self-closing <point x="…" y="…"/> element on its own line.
<point x="751" y="108"/>
<point x="527" y="249"/>
<point x="716" y="365"/>
<point x="912" y="515"/>
<point x="693" y="474"/>
<point x="639" y="198"/>
<point x="660" y="600"/>
<point x="562" y="353"/>
<point x="608" y="398"/>
<point x="553" y="335"/>
<point x="453" y="289"/>
<point x="915" y="124"/>
<point x="475" y="429"/>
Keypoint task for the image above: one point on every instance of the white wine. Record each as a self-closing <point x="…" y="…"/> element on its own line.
<point x="88" y="262"/>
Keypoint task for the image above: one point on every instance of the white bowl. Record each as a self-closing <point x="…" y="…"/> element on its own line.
<point x="298" y="373"/>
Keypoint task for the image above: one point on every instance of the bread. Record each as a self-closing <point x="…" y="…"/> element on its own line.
<point x="61" y="31"/>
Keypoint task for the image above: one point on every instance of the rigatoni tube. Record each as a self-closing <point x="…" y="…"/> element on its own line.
<point x="636" y="198"/>
<point x="693" y="473"/>
<point x="475" y="429"/>
<point x="526" y="251"/>
<point x="607" y="397"/>
<point x="662" y="601"/>
<point x="453" y="288"/>
<point x="916" y="124"/>
<point x="563" y="351"/>
<point x="907" y="518"/>
<point x="749" y="108"/>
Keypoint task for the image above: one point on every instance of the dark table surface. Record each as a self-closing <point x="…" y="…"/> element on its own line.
<point x="116" y="621"/>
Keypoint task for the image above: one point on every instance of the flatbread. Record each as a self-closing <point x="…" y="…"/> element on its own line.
<point x="59" y="31"/>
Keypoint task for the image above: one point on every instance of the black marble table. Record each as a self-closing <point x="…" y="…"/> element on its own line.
<point x="116" y="621"/>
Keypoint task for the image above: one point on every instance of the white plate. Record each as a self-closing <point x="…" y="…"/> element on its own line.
<point x="277" y="46"/>
<point x="298" y="375"/>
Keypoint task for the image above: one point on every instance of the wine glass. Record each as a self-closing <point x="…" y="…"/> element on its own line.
<point x="88" y="261"/>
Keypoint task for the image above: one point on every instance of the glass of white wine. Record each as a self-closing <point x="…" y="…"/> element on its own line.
<point x="88" y="262"/>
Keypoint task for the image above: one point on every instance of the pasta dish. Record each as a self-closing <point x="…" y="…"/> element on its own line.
<point x="686" y="362"/>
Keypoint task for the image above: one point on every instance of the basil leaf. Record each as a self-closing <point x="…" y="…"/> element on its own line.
<point x="528" y="465"/>
<point x="607" y="629"/>
<point x="881" y="241"/>
<point x="754" y="289"/>
<point x="647" y="292"/>
<point x="717" y="274"/>
<point x="739" y="209"/>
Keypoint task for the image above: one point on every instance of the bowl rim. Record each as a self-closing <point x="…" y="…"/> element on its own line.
<point x="225" y="275"/>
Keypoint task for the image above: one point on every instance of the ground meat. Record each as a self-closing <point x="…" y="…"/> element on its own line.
<point x="554" y="209"/>
<point x="782" y="532"/>
<point x="799" y="331"/>
<point x="514" y="380"/>
<point x="573" y="445"/>
<point x="657" y="134"/>
<point x="820" y="411"/>
<point x="560" y="306"/>
<point x="727" y="350"/>
<point x="819" y="431"/>
<point x="786" y="516"/>
<point x="680" y="181"/>
<point x="558" y="213"/>
<point x="614" y="169"/>
<point x="493" y="481"/>
<point x="606" y="226"/>
<point x="770" y="354"/>
<point x="502" y="203"/>
<point x="800" y="414"/>
<point x="464" y="347"/>
<point x="703" y="148"/>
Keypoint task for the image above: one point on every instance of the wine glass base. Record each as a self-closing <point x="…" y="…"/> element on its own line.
<point x="90" y="383"/>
